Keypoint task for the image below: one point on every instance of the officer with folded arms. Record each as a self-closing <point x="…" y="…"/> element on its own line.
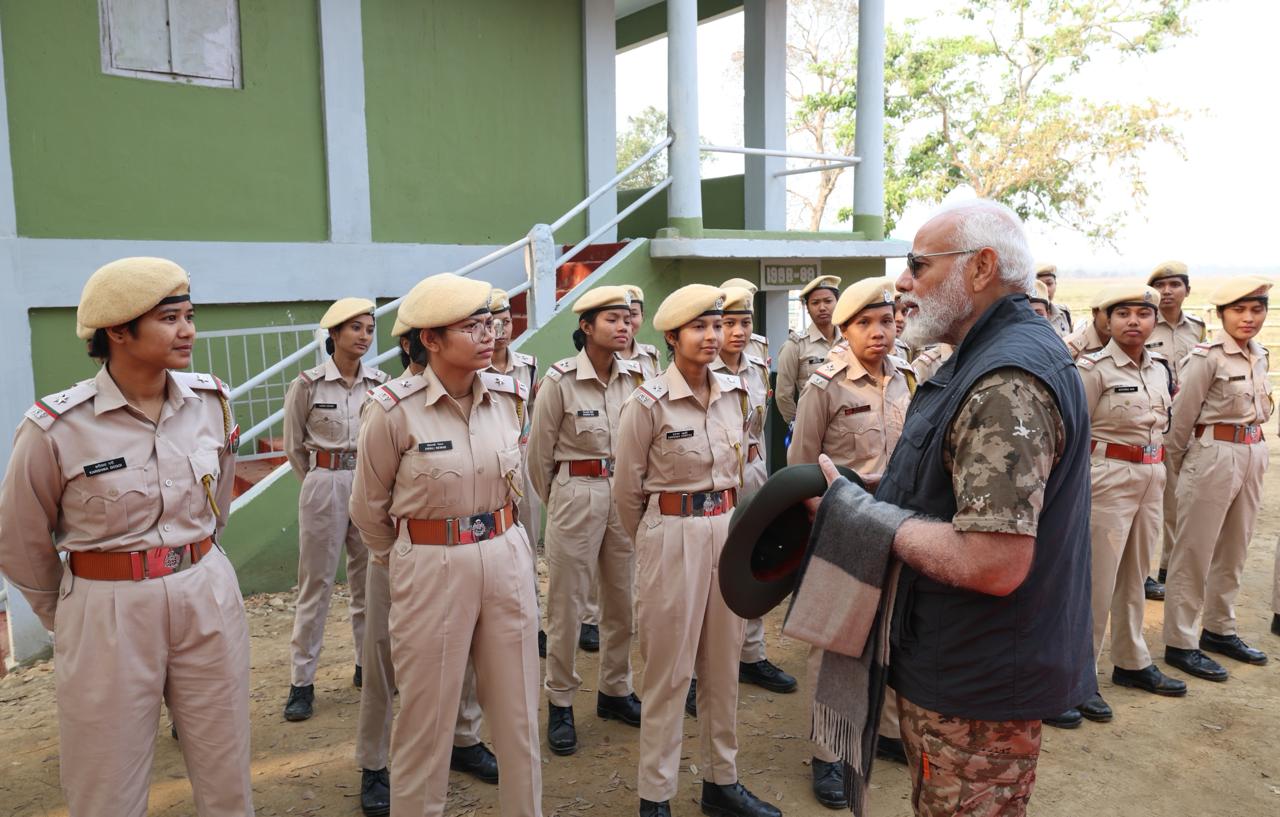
<point x="130" y="475"/>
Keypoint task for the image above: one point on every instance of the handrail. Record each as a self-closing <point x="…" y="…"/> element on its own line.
<point x="786" y="154"/>
<point x="613" y="222"/>
<point x="612" y="183"/>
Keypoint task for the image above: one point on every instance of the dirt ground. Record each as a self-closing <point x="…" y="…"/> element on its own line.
<point x="1215" y="752"/>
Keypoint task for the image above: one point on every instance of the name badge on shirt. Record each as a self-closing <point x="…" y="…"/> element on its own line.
<point x="679" y="435"/>
<point x="1155" y="345"/>
<point x="439" y="445"/>
<point x="815" y="360"/>
<point x="104" y="466"/>
<point x="589" y="413"/>
<point x="325" y="405"/>
<point x="1125" y="389"/>
<point x="1237" y="378"/>
<point x="857" y="409"/>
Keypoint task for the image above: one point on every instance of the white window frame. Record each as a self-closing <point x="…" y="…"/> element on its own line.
<point x="108" y="67"/>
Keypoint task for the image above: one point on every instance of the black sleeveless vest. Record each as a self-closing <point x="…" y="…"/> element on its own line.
<point x="1028" y="655"/>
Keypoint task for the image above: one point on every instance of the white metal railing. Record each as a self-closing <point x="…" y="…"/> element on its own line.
<point x="830" y="161"/>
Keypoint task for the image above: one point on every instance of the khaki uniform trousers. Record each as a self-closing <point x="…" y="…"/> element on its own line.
<point x="1219" y="490"/>
<point x="1125" y="527"/>
<point x="685" y="625"/>
<point x="373" y="728"/>
<point x="324" y="528"/>
<point x="1275" y="579"/>
<point x="1170" y="514"/>
<point x="584" y="538"/>
<point x="121" y="648"/>
<point x="450" y="604"/>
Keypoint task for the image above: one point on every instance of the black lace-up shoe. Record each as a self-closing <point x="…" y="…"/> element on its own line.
<point x="767" y="675"/>
<point x="734" y="801"/>
<point x="299" y="705"/>
<point x="625" y="708"/>
<point x="476" y="761"/>
<point x="375" y="792"/>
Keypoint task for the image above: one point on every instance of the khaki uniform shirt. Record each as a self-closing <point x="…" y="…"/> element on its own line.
<point x="1129" y="403"/>
<point x="1084" y="341"/>
<point x="753" y="371"/>
<point x="1174" y="342"/>
<point x="1001" y="447"/>
<point x="668" y="442"/>
<point x="422" y="457"/>
<point x="758" y="345"/>
<point x="799" y="358"/>
<point x="1060" y="319"/>
<point x="850" y="417"/>
<point x="1220" y="382"/>
<point x="322" y="414"/>
<point x="524" y="369"/>
<point x="901" y="349"/>
<point x="576" y="417"/>
<point x="646" y="354"/>
<point x="930" y="360"/>
<point x="91" y="473"/>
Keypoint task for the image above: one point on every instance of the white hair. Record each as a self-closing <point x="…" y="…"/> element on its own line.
<point x="988" y="223"/>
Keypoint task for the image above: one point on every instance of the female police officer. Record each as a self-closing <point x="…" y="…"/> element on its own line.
<point x="321" y="425"/>
<point x="680" y="454"/>
<point x="439" y="452"/>
<point x="571" y="467"/>
<point x="130" y="474"/>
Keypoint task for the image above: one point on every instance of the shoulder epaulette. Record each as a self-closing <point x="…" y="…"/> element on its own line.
<point x="562" y="367"/>
<point x="1159" y="357"/>
<point x="900" y="362"/>
<point x="756" y="359"/>
<point x="504" y="383"/>
<point x="312" y="374"/>
<point x="52" y="406"/>
<point x="379" y="375"/>
<point x="1201" y="349"/>
<point x="650" y="392"/>
<point x="1090" y="360"/>
<point x="647" y="349"/>
<point x="793" y="335"/>
<point x="1194" y="319"/>
<point x="521" y="359"/>
<point x="389" y="394"/>
<point x="760" y="339"/>
<point x="197" y="380"/>
<point x="824" y="373"/>
<point x="630" y="366"/>
<point x="728" y="382"/>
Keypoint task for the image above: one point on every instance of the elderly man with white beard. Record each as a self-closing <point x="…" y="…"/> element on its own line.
<point x="986" y="503"/>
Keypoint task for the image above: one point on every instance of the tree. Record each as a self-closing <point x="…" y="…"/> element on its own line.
<point x="643" y="131"/>
<point x="992" y="107"/>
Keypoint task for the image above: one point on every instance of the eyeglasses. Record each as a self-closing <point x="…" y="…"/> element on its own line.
<point x="913" y="260"/>
<point x="478" y="330"/>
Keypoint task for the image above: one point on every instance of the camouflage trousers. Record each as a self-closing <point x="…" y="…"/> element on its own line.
<point x="969" y="767"/>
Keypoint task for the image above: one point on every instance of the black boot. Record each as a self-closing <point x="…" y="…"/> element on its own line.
<point x="1151" y="679"/>
<point x="1194" y="662"/>
<point x="1153" y="589"/>
<point x="542" y="644"/>
<point x="1232" y="646"/>
<point x="173" y="731"/>
<point x="1096" y="709"/>
<point x="625" y="708"/>
<point x="767" y="675"/>
<point x="1067" y="720"/>
<point x="1275" y="624"/>
<point x="562" y="737"/>
<point x="691" y="699"/>
<point x="649" y="808"/>
<point x="298" y="707"/>
<point x="734" y="801"/>
<point x="476" y="761"/>
<point x="358" y="678"/>
<point x="589" y="638"/>
<point x="828" y="783"/>
<point x="375" y="792"/>
<point x="891" y="749"/>
<point x="1162" y="576"/>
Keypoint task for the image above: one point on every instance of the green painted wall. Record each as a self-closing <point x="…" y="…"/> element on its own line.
<point x="651" y="23"/>
<point x="98" y="156"/>
<point x="723" y="208"/>
<point x="475" y="118"/>
<point x="262" y="540"/>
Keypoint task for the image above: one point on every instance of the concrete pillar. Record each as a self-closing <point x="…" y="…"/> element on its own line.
<point x="868" y="176"/>
<point x="345" y="137"/>
<point x="599" y="78"/>
<point x="684" y="197"/>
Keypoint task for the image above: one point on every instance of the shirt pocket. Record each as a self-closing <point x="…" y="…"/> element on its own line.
<point x="1129" y="405"/>
<point x="682" y="456"/>
<point x="591" y="427"/>
<point x="327" y="420"/>
<point x="437" y="478"/>
<point x="113" y="503"/>
<point x="204" y="463"/>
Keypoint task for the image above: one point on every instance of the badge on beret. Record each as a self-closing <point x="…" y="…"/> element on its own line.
<point x="719" y="303"/>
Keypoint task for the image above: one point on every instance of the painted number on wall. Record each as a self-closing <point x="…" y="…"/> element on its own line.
<point x="787" y="274"/>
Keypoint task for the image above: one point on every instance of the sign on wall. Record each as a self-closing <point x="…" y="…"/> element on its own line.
<point x="788" y="273"/>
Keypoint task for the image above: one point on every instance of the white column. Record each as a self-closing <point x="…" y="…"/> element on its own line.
<point x="599" y="81"/>
<point x="345" y="138"/>
<point x="684" y="197"/>
<point x="868" y="177"/>
<point x="765" y="126"/>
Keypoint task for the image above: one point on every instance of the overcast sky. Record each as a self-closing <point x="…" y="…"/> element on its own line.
<point x="1216" y="209"/>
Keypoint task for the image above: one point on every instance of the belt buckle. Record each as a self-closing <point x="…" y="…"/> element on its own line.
<point x="712" y="503"/>
<point x="1150" y="454"/>
<point x="164" y="561"/>
<point x="1252" y="433"/>
<point x="347" y="459"/>
<point x="606" y="467"/>
<point x="478" y="528"/>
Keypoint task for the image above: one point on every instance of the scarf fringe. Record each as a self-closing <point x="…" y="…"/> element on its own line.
<point x="842" y="737"/>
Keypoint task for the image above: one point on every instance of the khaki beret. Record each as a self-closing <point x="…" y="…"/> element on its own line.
<point x="1130" y="296"/>
<point x="737" y="300"/>
<point x="1047" y="269"/>
<point x="742" y="283"/>
<point x="498" y="300"/>
<point x="1102" y="294"/>
<point x="861" y="295"/>
<point x="441" y="300"/>
<point x="687" y="303"/>
<point x="344" y="309"/>
<point x="637" y="294"/>
<point x="1168" y="269"/>
<point x="831" y="282"/>
<point x="1040" y="293"/>
<point x="1239" y="288"/>
<point x="126" y="289"/>
<point x="603" y="298"/>
<point x="398" y="328"/>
